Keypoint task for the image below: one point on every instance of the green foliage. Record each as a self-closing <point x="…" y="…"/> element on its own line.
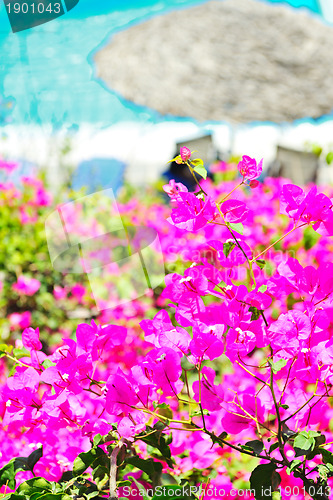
<point x="88" y="459"/>
<point x="329" y="158"/>
<point x="261" y="263"/>
<point x="198" y="168"/>
<point x="307" y="443"/>
<point x="9" y="471"/>
<point x="90" y="476"/>
<point x="264" y="481"/>
<point x="255" y="445"/>
<point x="255" y="313"/>
<point x="156" y="440"/>
<point x="278" y="365"/>
<point x="239" y="228"/>
<point x="228" y="247"/>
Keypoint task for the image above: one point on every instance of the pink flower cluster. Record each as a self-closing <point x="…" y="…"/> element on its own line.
<point x="243" y="346"/>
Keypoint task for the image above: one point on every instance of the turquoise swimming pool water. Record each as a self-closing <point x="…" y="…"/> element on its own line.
<point x="48" y="70"/>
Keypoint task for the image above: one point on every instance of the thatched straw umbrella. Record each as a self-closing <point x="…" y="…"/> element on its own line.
<point x="233" y="60"/>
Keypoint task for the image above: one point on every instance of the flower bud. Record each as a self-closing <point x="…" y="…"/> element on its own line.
<point x="254" y="184"/>
<point x="185" y="154"/>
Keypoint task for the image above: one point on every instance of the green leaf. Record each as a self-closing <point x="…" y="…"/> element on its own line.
<point x="238" y="227"/>
<point x="21" y="353"/>
<point x="12" y="496"/>
<point x="7" y="475"/>
<point x="324" y="470"/>
<point x="141" y="489"/>
<point x="255" y="313"/>
<point x="159" y="441"/>
<point x="278" y="365"/>
<point x="28" y="463"/>
<point x="197" y="162"/>
<point x="327" y="456"/>
<point x="287" y="433"/>
<point x="255" y="445"/>
<point x="201" y="171"/>
<point x="87" y="459"/>
<point x="261" y="263"/>
<point x="34" y="457"/>
<point x="47" y="363"/>
<point x="179" y="158"/>
<point x="151" y="468"/>
<point x="92" y="494"/>
<point x="273" y="447"/>
<point x="21" y="463"/>
<point x="35" y="485"/>
<point x="198" y="413"/>
<point x="160" y="405"/>
<point x="4" y="348"/>
<point x="293" y="465"/>
<point x="329" y="158"/>
<point x="264" y="480"/>
<point x="101" y="476"/>
<point x="228" y="247"/>
<point x="320" y="440"/>
<point x="97" y="439"/>
<point x="53" y="496"/>
<point x="122" y="483"/>
<point x="304" y="444"/>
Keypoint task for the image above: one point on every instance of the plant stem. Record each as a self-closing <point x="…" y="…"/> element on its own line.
<point x="277" y="241"/>
<point x="279" y="434"/>
<point x="113" y="495"/>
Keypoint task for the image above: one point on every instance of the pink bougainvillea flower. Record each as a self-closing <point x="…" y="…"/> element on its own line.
<point x="174" y="188"/>
<point x="78" y="291"/>
<point x="59" y="293"/>
<point x="249" y="168"/>
<point x="310" y="208"/>
<point x="192" y="212"/>
<point x="234" y="211"/>
<point x="26" y="286"/>
<point x="162" y="367"/>
<point x="30" y="339"/>
<point x="121" y="398"/>
<point x="97" y="339"/>
<point x="21" y="320"/>
<point x="161" y="332"/>
<point x="206" y="344"/>
<point x="239" y="343"/>
<point x="253" y="184"/>
<point x="185" y="154"/>
<point x="193" y="281"/>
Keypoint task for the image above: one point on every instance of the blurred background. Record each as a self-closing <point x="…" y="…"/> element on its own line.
<point x="109" y="91"/>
